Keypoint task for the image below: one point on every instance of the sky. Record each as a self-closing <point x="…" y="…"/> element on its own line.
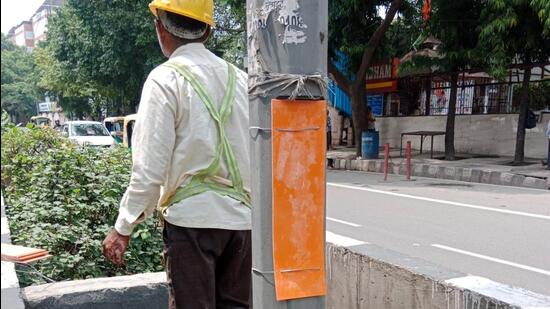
<point x="15" y="11"/>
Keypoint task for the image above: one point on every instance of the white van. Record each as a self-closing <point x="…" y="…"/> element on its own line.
<point x="88" y="133"/>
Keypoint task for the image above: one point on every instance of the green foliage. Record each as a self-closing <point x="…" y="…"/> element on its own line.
<point x="7" y="44"/>
<point x="352" y="23"/>
<point x="403" y="32"/>
<point x="20" y="91"/>
<point x="542" y="8"/>
<point x="99" y="53"/>
<point x="64" y="198"/>
<point x="5" y="120"/>
<point x="514" y="29"/>
<point x="101" y="50"/>
<point x="456" y="25"/>
<point x="229" y="37"/>
<point x="539" y="95"/>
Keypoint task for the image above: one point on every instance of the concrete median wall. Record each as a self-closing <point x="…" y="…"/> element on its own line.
<point x="493" y="134"/>
<point x="368" y="276"/>
<point x="364" y="276"/>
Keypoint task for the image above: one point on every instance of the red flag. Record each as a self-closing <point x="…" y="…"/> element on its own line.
<point x="426" y="8"/>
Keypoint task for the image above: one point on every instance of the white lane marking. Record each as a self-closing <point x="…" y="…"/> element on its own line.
<point x="343" y="222"/>
<point x="492" y="259"/>
<point x="510" y="212"/>
<point x="508" y="294"/>
<point x="343" y="241"/>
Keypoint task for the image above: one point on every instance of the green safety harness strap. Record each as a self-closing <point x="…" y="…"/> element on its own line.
<point x="205" y="180"/>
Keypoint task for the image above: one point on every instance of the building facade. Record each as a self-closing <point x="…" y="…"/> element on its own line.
<point x="22" y="35"/>
<point x="28" y="33"/>
<point x="486" y="108"/>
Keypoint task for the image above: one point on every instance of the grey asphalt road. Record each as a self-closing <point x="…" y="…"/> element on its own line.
<point x="498" y="232"/>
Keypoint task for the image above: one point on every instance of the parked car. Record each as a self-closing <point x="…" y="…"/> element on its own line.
<point x="89" y="133"/>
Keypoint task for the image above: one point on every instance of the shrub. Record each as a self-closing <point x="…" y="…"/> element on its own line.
<point x="64" y="198"/>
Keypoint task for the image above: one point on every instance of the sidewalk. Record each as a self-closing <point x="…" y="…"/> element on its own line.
<point x="471" y="168"/>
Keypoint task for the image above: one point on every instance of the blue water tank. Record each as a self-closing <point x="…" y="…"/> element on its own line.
<point x="370" y="142"/>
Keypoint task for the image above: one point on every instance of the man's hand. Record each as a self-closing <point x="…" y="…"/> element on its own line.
<point x="114" y="247"/>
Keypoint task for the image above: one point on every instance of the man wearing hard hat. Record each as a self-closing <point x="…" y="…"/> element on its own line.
<point x="191" y="159"/>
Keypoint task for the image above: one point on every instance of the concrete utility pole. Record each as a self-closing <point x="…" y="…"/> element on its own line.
<point x="287" y="47"/>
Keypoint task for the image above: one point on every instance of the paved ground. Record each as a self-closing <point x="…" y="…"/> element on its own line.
<point x="497" y="232"/>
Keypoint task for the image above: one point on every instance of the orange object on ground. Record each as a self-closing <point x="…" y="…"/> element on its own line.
<point x="20" y="254"/>
<point x="299" y="143"/>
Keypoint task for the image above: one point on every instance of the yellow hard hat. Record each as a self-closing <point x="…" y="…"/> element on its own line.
<point x="201" y="10"/>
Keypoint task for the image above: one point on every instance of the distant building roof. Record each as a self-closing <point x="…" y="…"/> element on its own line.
<point x="429" y="53"/>
<point x="48" y="5"/>
<point x="12" y="30"/>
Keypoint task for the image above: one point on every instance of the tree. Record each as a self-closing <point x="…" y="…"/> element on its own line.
<point x="104" y="50"/>
<point x="512" y="32"/>
<point x="351" y="25"/>
<point x="403" y="32"/>
<point x="60" y="81"/>
<point x="229" y="37"/>
<point x="20" y="92"/>
<point x="456" y="25"/>
<point x="99" y="53"/>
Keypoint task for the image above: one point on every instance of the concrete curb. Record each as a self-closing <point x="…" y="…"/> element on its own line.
<point x="143" y="291"/>
<point x="363" y="276"/>
<point x="445" y="172"/>
<point x="11" y="293"/>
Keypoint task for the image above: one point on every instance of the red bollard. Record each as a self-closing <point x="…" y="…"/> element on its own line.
<point x="408" y="154"/>
<point x="386" y="160"/>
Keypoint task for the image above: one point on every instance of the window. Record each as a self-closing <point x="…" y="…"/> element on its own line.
<point x="89" y="129"/>
<point x="29" y="35"/>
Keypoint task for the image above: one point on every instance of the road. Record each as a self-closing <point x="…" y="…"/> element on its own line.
<point x="501" y="233"/>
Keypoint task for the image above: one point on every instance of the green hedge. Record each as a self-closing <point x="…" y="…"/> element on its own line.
<point x="64" y="198"/>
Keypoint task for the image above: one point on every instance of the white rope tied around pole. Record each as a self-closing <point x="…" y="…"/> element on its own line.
<point x="263" y="84"/>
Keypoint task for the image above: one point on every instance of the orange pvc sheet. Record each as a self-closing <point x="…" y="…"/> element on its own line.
<point x="20" y="254"/>
<point x="299" y="143"/>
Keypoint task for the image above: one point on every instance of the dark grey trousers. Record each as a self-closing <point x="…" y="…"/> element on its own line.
<point x="207" y="268"/>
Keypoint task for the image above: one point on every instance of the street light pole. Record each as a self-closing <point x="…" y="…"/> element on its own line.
<point x="287" y="57"/>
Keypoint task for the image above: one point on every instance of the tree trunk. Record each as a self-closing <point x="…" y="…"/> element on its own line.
<point x="352" y="132"/>
<point x="359" y="115"/>
<point x="451" y="115"/>
<point x="356" y="89"/>
<point x="519" y="155"/>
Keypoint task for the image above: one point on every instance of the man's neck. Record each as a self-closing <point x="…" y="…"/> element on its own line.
<point x="179" y="44"/>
